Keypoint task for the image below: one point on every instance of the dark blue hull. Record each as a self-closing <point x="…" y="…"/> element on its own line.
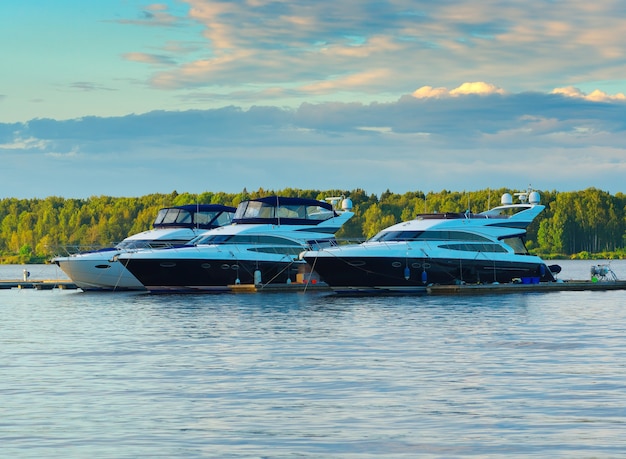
<point x="199" y="274"/>
<point x="386" y="272"/>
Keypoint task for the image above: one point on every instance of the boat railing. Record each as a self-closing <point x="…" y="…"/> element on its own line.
<point x="67" y="250"/>
<point x="349" y="241"/>
<point x="74" y="249"/>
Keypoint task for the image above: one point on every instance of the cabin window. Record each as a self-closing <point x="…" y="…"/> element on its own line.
<point x="435" y="235"/>
<point x="262" y="239"/>
<point x="211" y="239"/>
<point x="469" y="247"/>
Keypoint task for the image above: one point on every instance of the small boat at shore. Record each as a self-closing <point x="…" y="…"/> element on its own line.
<point x="440" y="249"/>
<point x="260" y="247"/>
<point x="173" y="226"/>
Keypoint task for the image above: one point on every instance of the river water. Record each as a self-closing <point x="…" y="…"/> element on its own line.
<point x="312" y="375"/>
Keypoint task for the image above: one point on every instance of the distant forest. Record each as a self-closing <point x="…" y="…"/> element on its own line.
<point x="580" y="224"/>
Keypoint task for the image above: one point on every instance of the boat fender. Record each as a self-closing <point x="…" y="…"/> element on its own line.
<point x="424" y="277"/>
<point x="257" y="277"/>
<point x="542" y="270"/>
<point x="407" y="273"/>
<point x="554" y="269"/>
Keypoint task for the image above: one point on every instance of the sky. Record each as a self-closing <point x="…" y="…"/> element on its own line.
<point x="128" y="98"/>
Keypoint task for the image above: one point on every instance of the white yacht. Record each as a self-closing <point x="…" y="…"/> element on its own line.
<point x="439" y="248"/>
<point x="260" y="247"/>
<point x="173" y="226"/>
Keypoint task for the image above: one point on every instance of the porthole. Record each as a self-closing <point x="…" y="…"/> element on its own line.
<point x="356" y="263"/>
<point x="167" y="264"/>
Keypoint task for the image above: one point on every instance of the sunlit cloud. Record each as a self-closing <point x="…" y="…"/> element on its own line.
<point x="478" y="87"/>
<point x="596" y="95"/>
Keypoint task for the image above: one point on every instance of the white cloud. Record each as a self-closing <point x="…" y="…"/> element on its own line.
<point x="478" y="87"/>
<point x="24" y="143"/>
<point x="426" y="92"/>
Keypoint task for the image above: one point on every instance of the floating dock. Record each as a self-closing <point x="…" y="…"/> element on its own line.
<point x="560" y="286"/>
<point x="461" y="289"/>
<point x="280" y="288"/>
<point x="48" y="284"/>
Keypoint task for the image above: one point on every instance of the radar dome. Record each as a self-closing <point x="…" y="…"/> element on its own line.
<point x="346" y="204"/>
<point x="534" y="197"/>
<point x="506" y="199"/>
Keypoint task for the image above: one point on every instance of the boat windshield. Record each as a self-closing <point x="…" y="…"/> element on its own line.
<point x="172" y="216"/>
<point x="183" y="217"/>
<point x="517" y="244"/>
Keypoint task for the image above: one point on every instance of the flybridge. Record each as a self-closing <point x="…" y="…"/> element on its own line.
<point x="279" y="210"/>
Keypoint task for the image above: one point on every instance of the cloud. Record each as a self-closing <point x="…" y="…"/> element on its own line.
<point x="24" y="143"/>
<point x="154" y="15"/>
<point x="459" y="141"/>
<point x="63" y="155"/>
<point x="322" y="46"/>
<point x="478" y="87"/>
<point x="89" y="86"/>
<point x="347" y="82"/>
<point x="148" y="58"/>
<point x="596" y="95"/>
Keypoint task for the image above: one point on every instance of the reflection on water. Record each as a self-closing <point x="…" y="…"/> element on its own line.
<point x="127" y="375"/>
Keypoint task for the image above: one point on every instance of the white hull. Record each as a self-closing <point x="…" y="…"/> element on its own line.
<point x="97" y="271"/>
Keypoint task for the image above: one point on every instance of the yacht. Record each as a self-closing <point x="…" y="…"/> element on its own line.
<point x="173" y="226"/>
<point x="260" y="247"/>
<point x="439" y="248"/>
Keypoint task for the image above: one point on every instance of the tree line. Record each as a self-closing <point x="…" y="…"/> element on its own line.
<point x="585" y="224"/>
